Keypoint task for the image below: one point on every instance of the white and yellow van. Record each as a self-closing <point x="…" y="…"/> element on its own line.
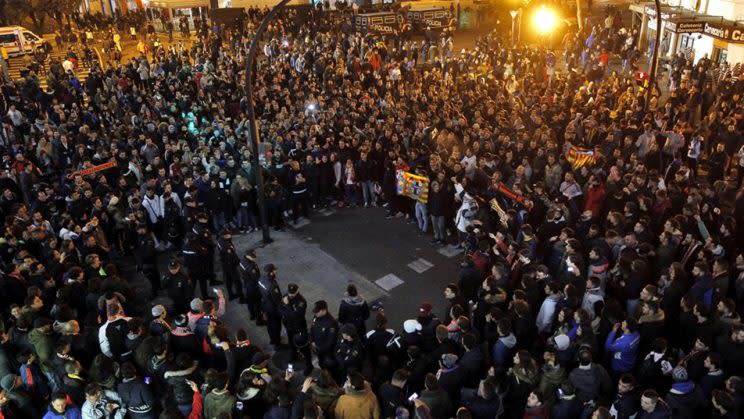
<point x="17" y="40"/>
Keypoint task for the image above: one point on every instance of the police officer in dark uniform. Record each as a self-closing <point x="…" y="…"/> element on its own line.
<point x="271" y="300"/>
<point x="147" y="258"/>
<point x="293" y="309"/>
<point x="323" y="335"/>
<point x="179" y="285"/>
<point x="193" y="257"/>
<point x="201" y="228"/>
<point x="190" y="211"/>
<point x="250" y="273"/>
<point x="230" y="262"/>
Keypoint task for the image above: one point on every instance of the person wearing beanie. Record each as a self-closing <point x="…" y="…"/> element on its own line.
<point x="196" y="312"/>
<point x="451" y="377"/>
<point x="685" y="399"/>
<point x="159" y="325"/>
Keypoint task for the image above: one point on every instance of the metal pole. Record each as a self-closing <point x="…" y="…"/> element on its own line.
<point x="654" y="56"/>
<point x="252" y="115"/>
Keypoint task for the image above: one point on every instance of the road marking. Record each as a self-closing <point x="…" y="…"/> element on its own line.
<point x="327" y="212"/>
<point x="389" y="282"/>
<point x="449" y="251"/>
<point x="420" y="265"/>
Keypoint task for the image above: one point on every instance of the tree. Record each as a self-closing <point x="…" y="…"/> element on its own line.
<point x="39" y="10"/>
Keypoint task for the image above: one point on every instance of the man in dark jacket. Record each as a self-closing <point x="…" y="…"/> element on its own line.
<point x="271" y="299"/>
<point x="451" y="377"/>
<point x="435" y="398"/>
<point x="349" y="350"/>
<point x="568" y="406"/>
<point x="251" y="274"/>
<point x="179" y="286"/>
<point x="194" y="253"/>
<point x="487" y="403"/>
<point x="230" y="262"/>
<point x="472" y="361"/>
<point x="392" y="394"/>
<point x="653" y="407"/>
<point x="323" y="334"/>
<point x="354" y="310"/>
<point x="293" y="309"/>
<point x="429" y="322"/>
<point x="591" y="381"/>
<point x="135" y="393"/>
<point x="627" y="401"/>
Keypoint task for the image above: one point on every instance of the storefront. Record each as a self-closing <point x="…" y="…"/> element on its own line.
<point x="694" y="34"/>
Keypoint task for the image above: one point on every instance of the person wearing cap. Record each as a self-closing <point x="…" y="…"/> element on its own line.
<point x="250" y="273"/>
<point x="293" y="309"/>
<point x="16" y="396"/>
<point x="146" y="256"/>
<point x="324" y="334"/>
<point x="429" y="322"/>
<point x="271" y="299"/>
<point x="179" y="285"/>
<point x="230" y="262"/>
<point x="354" y="309"/>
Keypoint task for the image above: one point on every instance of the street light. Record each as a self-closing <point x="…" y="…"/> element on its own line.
<point x="252" y="114"/>
<point x="513" y="14"/>
<point x="545" y="20"/>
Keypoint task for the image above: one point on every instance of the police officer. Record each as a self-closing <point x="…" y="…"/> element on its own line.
<point x="323" y="335"/>
<point x="293" y="309"/>
<point x="193" y="257"/>
<point x="230" y="262"/>
<point x="349" y="350"/>
<point x="179" y="285"/>
<point x="204" y="234"/>
<point x="147" y="258"/>
<point x="250" y="273"/>
<point x="271" y="300"/>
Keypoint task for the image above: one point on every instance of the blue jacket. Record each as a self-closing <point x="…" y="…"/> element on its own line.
<point x="625" y="349"/>
<point x="71" y="412"/>
<point x="503" y="350"/>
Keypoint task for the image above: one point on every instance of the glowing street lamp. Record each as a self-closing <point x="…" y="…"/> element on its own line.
<point x="545" y="20"/>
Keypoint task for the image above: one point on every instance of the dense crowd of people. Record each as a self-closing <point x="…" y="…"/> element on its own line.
<point x="609" y="289"/>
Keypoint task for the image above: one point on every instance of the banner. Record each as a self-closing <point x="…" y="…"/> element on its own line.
<point x="579" y="157"/>
<point x="94" y="169"/>
<point x="413" y="186"/>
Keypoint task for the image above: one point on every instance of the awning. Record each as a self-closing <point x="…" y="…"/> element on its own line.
<point x="681" y="20"/>
<point x="179" y="4"/>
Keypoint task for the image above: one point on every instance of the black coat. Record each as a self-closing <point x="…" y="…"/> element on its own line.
<point x="354" y="310"/>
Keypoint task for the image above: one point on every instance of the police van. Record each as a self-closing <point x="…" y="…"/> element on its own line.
<point x="17" y="40"/>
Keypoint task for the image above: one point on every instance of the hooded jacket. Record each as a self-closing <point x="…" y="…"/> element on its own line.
<point x="44" y="347"/>
<point x="591" y="382"/>
<point x="503" y="349"/>
<point x="354" y="310"/>
<point x="686" y="400"/>
<point x="176" y="380"/>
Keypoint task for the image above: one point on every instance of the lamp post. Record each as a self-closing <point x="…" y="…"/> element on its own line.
<point x="513" y="14"/>
<point x="654" y="56"/>
<point x="249" y="68"/>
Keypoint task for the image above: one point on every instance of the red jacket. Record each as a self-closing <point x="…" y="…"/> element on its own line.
<point x="595" y="199"/>
<point x="539" y="412"/>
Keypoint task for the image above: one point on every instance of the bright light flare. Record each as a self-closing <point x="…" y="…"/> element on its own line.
<point x="545" y="20"/>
